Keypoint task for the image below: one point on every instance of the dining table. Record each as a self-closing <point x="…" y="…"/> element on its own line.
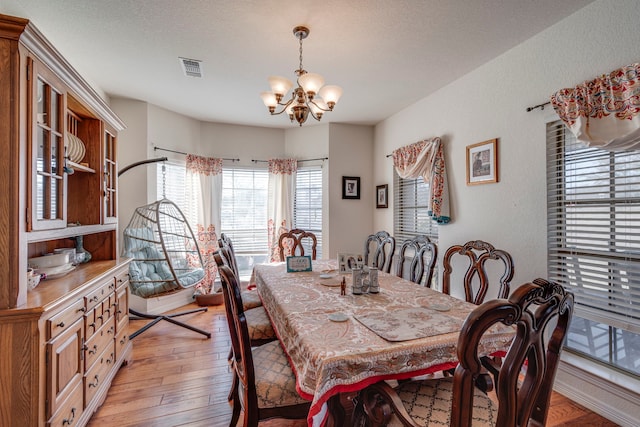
<point x="339" y="343"/>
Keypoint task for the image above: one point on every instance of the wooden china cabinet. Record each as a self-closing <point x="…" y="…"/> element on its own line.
<point x="61" y="343"/>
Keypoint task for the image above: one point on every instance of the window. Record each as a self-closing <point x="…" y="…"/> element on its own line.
<point x="244" y="207"/>
<point x="307" y="210"/>
<point x="244" y="215"/>
<point x="593" y="217"/>
<point x="410" y="209"/>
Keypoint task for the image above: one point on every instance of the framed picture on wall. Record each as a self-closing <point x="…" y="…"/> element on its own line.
<point x="350" y="187"/>
<point x="382" y="194"/>
<point x="482" y="162"/>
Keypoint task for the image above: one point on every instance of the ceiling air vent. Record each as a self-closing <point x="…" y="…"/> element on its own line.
<point x="191" y="67"/>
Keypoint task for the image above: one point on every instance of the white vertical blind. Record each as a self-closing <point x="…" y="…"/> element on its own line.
<point x="244" y="209"/>
<point x="307" y="210"/>
<point x="593" y="210"/>
<point x="411" y="209"/>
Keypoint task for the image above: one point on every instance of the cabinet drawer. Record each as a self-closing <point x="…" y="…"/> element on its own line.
<point x="92" y="321"/>
<point x="96" y="296"/>
<point x="122" y="309"/>
<point x="96" y="376"/>
<point x="122" y="278"/>
<point x="98" y="342"/>
<point x="64" y="366"/>
<point x="58" y="323"/>
<point x="121" y="342"/>
<point x="70" y="411"/>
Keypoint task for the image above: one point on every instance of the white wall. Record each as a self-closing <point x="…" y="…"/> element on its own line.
<point x="132" y="148"/>
<point x="491" y="102"/>
<point x="350" y="220"/>
<point x="349" y="148"/>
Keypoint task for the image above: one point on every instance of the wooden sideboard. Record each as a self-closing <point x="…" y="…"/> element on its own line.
<point x="61" y="343"/>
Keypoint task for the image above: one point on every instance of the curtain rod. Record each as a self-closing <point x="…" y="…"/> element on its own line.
<point x="303" y="160"/>
<point x="540" y="106"/>
<point x="182" y="152"/>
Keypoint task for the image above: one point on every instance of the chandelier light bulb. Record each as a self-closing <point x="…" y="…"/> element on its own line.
<point x="331" y="94"/>
<point x="311" y="83"/>
<point x="269" y="100"/>
<point x="280" y="85"/>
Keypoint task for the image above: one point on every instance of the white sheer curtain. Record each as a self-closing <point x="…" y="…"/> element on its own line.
<point x="204" y="184"/>
<point x="604" y="112"/>
<point x="426" y="159"/>
<point x="282" y="184"/>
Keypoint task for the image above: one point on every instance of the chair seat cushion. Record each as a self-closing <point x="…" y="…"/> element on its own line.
<point x="259" y="324"/>
<point x="250" y="299"/>
<point x="429" y="403"/>
<point x="275" y="381"/>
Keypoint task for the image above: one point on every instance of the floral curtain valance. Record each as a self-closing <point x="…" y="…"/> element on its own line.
<point x="203" y="183"/>
<point x="604" y="112"/>
<point x="282" y="183"/>
<point x="426" y="159"/>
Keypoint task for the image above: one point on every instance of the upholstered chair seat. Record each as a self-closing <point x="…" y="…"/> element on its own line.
<point x="250" y="299"/>
<point x="429" y="404"/>
<point x="259" y="325"/>
<point x="275" y="381"/>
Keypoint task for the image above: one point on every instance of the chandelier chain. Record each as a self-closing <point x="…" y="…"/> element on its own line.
<point x="300" y="69"/>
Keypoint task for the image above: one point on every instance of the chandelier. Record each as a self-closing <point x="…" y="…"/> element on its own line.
<point x="310" y="97"/>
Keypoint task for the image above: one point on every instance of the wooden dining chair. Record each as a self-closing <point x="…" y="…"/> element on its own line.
<point x="540" y="313"/>
<point x="382" y="247"/>
<point x="417" y="260"/>
<point x="293" y="242"/>
<point x="476" y="278"/>
<point x="250" y="297"/>
<point x="258" y="322"/>
<point x="264" y="386"/>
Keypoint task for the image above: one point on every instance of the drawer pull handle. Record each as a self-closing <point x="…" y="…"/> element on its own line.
<point x="60" y="325"/>
<point x="100" y="317"/>
<point x="68" y="422"/>
<point x="108" y="311"/>
<point x="92" y="325"/>
<point x="95" y="383"/>
<point x="94" y="299"/>
<point x="123" y="340"/>
<point x="94" y="351"/>
<point x="110" y="330"/>
<point x="82" y="309"/>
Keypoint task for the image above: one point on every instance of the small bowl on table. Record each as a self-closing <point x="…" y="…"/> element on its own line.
<point x="33" y="279"/>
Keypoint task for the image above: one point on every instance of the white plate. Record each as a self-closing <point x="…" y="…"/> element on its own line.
<point x="338" y="317"/>
<point x="327" y="276"/>
<point x="54" y="271"/>
<point x="440" y="307"/>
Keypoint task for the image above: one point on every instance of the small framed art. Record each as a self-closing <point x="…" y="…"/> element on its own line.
<point x="350" y="187"/>
<point x="382" y="194"/>
<point x="297" y="264"/>
<point x="482" y="162"/>
<point x="347" y="262"/>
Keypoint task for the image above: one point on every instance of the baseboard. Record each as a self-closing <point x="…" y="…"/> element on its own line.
<point x="597" y="388"/>
<point x="161" y="304"/>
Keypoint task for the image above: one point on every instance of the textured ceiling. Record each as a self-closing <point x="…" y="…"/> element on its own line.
<point x="386" y="54"/>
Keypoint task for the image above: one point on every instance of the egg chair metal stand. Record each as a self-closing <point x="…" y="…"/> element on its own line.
<point x="164" y="257"/>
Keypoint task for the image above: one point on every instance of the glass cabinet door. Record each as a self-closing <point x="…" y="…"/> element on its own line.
<point x="47" y="153"/>
<point x="110" y="177"/>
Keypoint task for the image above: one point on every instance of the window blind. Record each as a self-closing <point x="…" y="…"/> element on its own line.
<point x="244" y="209"/>
<point x="307" y="210"/>
<point x="593" y="227"/>
<point x="411" y="209"/>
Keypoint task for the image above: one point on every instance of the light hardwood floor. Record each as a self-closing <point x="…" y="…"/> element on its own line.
<point x="180" y="378"/>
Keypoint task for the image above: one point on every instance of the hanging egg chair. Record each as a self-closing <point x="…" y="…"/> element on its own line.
<point x="163" y="250"/>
